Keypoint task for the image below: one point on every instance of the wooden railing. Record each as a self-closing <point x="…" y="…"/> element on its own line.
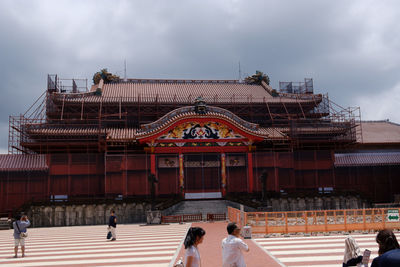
<point x="182" y="218"/>
<point x="172" y="219"/>
<point x="216" y="217"/>
<point x="193" y="218"/>
<point x="317" y="221"/>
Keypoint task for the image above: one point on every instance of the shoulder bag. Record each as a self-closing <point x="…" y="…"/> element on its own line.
<point x="21" y="234"/>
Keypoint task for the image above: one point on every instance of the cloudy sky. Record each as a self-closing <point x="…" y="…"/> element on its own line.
<point x="350" y="48"/>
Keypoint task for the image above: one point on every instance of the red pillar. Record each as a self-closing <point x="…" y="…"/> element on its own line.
<point x="250" y="171"/>
<point x="48" y="185"/>
<point x="223" y="173"/>
<point x="105" y="173"/>
<point x="69" y="175"/>
<point x="125" y="175"/>
<point x="276" y="174"/>
<point x="49" y="163"/>
<point x="181" y="181"/>
<point x="153" y="168"/>
<point x="276" y="179"/>
<point x="333" y="170"/>
<point x="1" y="194"/>
<point x="153" y="164"/>
<point x="317" y="185"/>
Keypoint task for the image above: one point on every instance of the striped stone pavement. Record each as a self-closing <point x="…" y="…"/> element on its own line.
<point x="136" y="245"/>
<point x="314" y="251"/>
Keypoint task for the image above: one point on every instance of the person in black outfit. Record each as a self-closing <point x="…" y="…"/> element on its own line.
<point x="112" y="225"/>
<point x="389" y="250"/>
<point x="352" y="254"/>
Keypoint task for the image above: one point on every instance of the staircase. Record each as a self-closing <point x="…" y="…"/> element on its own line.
<point x="200" y="206"/>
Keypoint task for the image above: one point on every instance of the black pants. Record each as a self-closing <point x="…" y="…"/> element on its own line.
<point x="353" y="262"/>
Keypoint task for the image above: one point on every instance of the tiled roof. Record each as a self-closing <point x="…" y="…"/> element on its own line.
<point x="333" y="129"/>
<point x="112" y="133"/>
<point x="23" y="162"/>
<point x="64" y="131"/>
<point x="166" y="90"/>
<point x="212" y="92"/>
<point x="132" y="133"/>
<point x="378" y="132"/>
<point x="271" y="132"/>
<point x="367" y="159"/>
<point x="159" y="125"/>
<point x="121" y="134"/>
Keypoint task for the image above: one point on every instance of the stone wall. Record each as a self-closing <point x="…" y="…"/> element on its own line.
<point x="69" y="215"/>
<point x="92" y="214"/>
<point x="316" y="203"/>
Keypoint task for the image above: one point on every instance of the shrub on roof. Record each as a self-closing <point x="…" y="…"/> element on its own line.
<point x="257" y="78"/>
<point x="108" y="77"/>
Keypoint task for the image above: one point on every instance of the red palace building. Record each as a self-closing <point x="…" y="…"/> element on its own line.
<point x="199" y="138"/>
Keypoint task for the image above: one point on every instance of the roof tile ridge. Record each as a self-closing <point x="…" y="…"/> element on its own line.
<point x="191" y="113"/>
<point x="267" y="87"/>
<point x="368" y="153"/>
<point x="178" y="81"/>
<point x="241" y="127"/>
<point x="394" y="123"/>
<point x="372" y="121"/>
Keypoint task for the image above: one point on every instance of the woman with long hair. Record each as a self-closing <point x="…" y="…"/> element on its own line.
<point x="389" y="250"/>
<point x="193" y="238"/>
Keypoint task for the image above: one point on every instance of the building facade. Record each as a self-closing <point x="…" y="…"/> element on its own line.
<point x="192" y="139"/>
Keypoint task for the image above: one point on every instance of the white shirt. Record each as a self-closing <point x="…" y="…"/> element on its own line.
<point x="194" y="253"/>
<point x="232" y="252"/>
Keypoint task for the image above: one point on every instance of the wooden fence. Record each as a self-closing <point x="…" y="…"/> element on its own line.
<point x="317" y="221"/>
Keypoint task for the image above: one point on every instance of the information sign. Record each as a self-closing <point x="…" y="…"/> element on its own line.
<point x="393" y="215"/>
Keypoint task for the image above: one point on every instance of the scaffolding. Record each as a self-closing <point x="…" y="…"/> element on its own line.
<point x="306" y="87"/>
<point x="67" y="114"/>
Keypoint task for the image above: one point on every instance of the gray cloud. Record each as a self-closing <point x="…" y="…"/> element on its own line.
<point x="350" y="48"/>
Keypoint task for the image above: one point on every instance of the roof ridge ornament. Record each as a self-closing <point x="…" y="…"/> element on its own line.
<point x="200" y="106"/>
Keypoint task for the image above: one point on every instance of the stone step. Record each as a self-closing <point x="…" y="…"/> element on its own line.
<point x="201" y="206"/>
<point x="198" y="211"/>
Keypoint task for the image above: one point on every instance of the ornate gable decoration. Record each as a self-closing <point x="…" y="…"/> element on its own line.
<point x="200" y="106"/>
<point x="201" y="130"/>
<point x="196" y="110"/>
<point x="199" y="125"/>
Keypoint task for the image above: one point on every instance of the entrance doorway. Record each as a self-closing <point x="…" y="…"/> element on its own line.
<point x="202" y="176"/>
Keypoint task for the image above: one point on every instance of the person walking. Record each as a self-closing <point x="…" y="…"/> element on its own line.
<point x="112" y="225"/>
<point x="232" y="247"/>
<point x="20" y="225"/>
<point x="389" y="250"/>
<point x="193" y="238"/>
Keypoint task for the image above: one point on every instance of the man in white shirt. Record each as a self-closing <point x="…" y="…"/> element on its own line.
<point x="232" y="247"/>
